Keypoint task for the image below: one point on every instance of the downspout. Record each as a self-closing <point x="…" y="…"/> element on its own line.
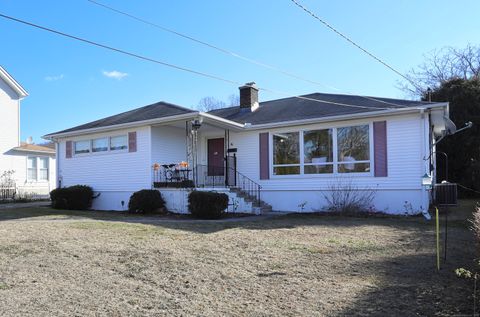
<point x="425" y="163"/>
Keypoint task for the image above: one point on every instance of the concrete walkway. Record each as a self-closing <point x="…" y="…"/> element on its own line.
<point x="25" y="205"/>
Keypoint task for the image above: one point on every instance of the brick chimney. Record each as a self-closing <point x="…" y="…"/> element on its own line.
<point x="249" y="96"/>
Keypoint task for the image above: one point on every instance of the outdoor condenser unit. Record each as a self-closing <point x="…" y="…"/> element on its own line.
<point x="446" y="194"/>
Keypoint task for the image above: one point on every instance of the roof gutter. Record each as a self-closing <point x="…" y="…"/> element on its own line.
<point x="22" y="93"/>
<point x="55" y="136"/>
<point x="345" y="117"/>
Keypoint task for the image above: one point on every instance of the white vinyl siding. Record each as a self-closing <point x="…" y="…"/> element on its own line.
<point x="115" y="171"/>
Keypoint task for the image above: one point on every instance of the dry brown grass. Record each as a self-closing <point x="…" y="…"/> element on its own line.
<point x="93" y="264"/>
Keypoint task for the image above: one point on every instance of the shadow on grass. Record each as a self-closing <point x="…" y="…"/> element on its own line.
<point x="411" y="285"/>
<point x="185" y="223"/>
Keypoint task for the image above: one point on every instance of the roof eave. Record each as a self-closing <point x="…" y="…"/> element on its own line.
<point x="346" y="116"/>
<point x="55" y="136"/>
<point x="12" y="83"/>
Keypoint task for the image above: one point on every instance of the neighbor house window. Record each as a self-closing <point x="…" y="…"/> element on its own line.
<point x="118" y="143"/>
<point x="43" y="169"/>
<point x="324" y="151"/>
<point x="100" y="145"/>
<point x="318" y="151"/>
<point x="353" y="149"/>
<point x="82" y="147"/>
<point x="286" y="153"/>
<point x="32" y="168"/>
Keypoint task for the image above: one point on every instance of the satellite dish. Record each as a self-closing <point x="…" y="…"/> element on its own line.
<point x="29" y="140"/>
<point x="450" y="127"/>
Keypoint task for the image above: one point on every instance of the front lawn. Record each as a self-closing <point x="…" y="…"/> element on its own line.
<point x="55" y="263"/>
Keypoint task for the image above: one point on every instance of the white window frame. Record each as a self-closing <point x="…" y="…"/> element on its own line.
<point x="300" y="155"/>
<point x="335" y="172"/>
<point x="38" y="168"/>
<point x="100" y="138"/>
<point x="31" y="168"/>
<point x="82" y="154"/>
<point x="109" y="149"/>
<point x="110" y="143"/>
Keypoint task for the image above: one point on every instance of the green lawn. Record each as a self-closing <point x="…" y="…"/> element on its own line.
<point x="67" y="263"/>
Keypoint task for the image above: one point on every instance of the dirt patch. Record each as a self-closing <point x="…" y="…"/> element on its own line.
<point x="306" y="265"/>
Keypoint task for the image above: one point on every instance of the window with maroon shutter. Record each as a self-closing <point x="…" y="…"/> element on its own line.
<point x="264" y="161"/>
<point x="132" y="141"/>
<point x="380" y="148"/>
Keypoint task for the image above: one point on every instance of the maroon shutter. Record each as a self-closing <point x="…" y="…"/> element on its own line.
<point x="264" y="163"/>
<point x="132" y="141"/>
<point x="380" y="148"/>
<point x="68" y="149"/>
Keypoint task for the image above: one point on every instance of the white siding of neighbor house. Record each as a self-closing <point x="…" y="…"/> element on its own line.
<point x="10" y="138"/>
<point x="168" y="145"/>
<point x="115" y="174"/>
<point x="399" y="191"/>
<point x="9" y="123"/>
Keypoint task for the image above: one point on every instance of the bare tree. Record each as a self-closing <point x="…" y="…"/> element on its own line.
<point x="441" y="66"/>
<point x="210" y="103"/>
<point x="233" y="100"/>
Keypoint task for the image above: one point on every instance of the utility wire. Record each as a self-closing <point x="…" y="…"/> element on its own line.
<point x="345" y="37"/>
<point x="229" y="52"/>
<point x="184" y="69"/>
<point x="212" y="46"/>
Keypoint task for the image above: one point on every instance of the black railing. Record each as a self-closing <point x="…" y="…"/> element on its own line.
<point x="7" y="193"/>
<point x="207" y="176"/>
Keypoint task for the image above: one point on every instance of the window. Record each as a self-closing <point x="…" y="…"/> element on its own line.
<point x="324" y="151"/>
<point x="318" y="151"/>
<point x="82" y="147"/>
<point x="353" y="149"/>
<point x="43" y="168"/>
<point x="100" y="145"/>
<point x="118" y="143"/>
<point x="286" y="153"/>
<point x="32" y="168"/>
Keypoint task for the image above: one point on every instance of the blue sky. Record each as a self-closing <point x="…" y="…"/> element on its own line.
<point x="68" y="83"/>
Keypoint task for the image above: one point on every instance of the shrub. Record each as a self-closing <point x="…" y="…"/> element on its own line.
<point x="207" y="205"/>
<point x="343" y="196"/>
<point x="77" y="197"/>
<point x="145" y="201"/>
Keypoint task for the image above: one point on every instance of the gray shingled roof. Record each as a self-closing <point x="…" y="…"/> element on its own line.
<point x="274" y="111"/>
<point x="291" y="109"/>
<point x="154" y="111"/>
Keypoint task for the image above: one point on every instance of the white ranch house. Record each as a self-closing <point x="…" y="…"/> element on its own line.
<point x="33" y="166"/>
<point x="283" y="154"/>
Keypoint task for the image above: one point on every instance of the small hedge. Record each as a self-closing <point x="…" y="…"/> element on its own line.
<point x="207" y="205"/>
<point x="145" y="201"/>
<point x="77" y="197"/>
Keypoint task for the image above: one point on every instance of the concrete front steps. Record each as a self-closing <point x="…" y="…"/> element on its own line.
<point x="240" y="201"/>
<point x="258" y="205"/>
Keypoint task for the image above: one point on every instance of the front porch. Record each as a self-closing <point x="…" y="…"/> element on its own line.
<point x="197" y="155"/>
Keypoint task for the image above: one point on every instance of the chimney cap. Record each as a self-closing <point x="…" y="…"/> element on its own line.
<point x="251" y="84"/>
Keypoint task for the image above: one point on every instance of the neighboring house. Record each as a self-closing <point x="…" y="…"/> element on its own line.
<point x="33" y="165"/>
<point x="287" y="153"/>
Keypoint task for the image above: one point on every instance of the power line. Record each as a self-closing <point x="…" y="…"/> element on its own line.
<point x="228" y="52"/>
<point x="212" y="46"/>
<point x="345" y="37"/>
<point x="174" y="66"/>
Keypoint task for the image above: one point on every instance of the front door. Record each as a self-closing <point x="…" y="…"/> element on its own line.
<point x="216" y="154"/>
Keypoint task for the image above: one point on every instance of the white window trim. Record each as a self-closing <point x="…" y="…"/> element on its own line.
<point x="37" y="179"/>
<point x="335" y="155"/>
<point x="109" y="150"/>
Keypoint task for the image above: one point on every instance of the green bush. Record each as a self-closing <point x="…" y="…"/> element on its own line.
<point x="145" y="201"/>
<point x="77" y="197"/>
<point x="207" y="205"/>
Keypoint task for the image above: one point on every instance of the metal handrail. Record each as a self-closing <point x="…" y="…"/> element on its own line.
<point x="208" y="176"/>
